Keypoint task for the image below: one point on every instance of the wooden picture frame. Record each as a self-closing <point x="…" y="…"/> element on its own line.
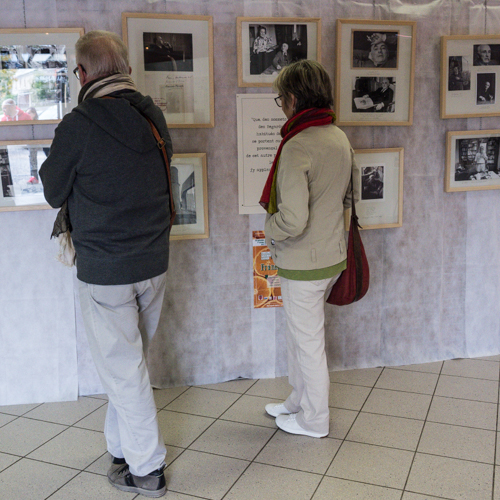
<point x="171" y="57"/>
<point x="375" y="70"/>
<point x="472" y="160"/>
<point x="21" y="187"/>
<point x="37" y="84"/>
<point x="470" y="76"/>
<point x="190" y="191"/>
<point x="380" y="203"/>
<point x="267" y="44"/>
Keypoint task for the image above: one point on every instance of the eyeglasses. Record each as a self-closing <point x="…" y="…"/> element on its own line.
<point x="76" y="73"/>
<point x="277" y="100"/>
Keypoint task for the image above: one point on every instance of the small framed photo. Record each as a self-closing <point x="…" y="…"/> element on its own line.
<point x="21" y="187"/>
<point x="171" y="57"/>
<point x="375" y="72"/>
<point x="37" y="83"/>
<point x="470" y="67"/>
<point x="190" y="191"/>
<point x="380" y="203"/>
<point x="472" y="160"/>
<point x="267" y="44"/>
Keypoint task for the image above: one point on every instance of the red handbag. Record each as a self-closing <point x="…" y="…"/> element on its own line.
<point x="354" y="281"/>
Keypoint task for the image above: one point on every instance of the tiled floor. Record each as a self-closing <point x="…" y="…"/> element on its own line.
<point x="408" y="433"/>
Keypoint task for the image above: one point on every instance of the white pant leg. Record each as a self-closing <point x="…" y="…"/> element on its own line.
<point x="111" y="316"/>
<point x="304" y="304"/>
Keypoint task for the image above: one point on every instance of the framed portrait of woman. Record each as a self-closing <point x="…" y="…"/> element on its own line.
<point x="375" y="69"/>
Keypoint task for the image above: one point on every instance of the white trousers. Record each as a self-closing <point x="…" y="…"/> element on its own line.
<point x="120" y="321"/>
<point x="304" y="304"/>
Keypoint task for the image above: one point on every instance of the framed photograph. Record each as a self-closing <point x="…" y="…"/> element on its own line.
<point x="172" y="61"/>
<point x="21" y="187"/>
<point x="375" y="72"/>
<point x="190" y="191"/>
<point x="268" y="44"/>
<point x="472" y="160"/>
<point x="36" y="74"/>
<point x="381" y="188"/>
<point x="470" y="67"/>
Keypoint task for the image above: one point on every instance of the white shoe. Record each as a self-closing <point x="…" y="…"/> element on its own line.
<point x="275" y="409"/>
<point x="288" y="423"/>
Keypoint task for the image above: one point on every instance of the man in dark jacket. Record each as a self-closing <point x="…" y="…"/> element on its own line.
<point x="105" y="162"/>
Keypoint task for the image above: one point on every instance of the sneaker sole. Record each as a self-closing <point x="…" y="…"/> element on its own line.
<point x="303" y="432"/>
<point x="141" y="491"/>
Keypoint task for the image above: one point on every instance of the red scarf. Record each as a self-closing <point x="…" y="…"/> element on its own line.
<point x="312" y="117"/>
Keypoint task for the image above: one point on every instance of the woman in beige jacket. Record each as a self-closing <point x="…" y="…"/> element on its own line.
<point x="307" y="192"/>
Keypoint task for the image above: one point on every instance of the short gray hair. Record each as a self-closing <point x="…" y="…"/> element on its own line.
<point x="102" y="53"/>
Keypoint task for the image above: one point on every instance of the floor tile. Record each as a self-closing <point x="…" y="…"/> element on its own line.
<point x="203" y="475"/>
<point x="239" y="386"/>
<point x="434" y="367"/>
<point x="409" y="381"/>
<point x="267" y="482"/>
<point x="98" y="396"/>
<point x="94" y="421"/>
<point x="75" y="448"/>
<point x="372" y="464"/>
<point x="398" y="404"/>
<point x="66" y="413"/>
<point x="275" y="388"/>
<point x="467" y="388"/>
<point x="250" y="410"/>
<point x="416" y="496"/>
<point x="496" y="490"/>
<point x="474" y="368"/>
<point x="32" y="480"/>
<point x="349" y="397"/>
<point x="165" y="396"/>
<point x="171" y="495"/>
<point x="450" y="478"/>
<point x="17" y="410"/>
<point x="496" y="357"/>
<point x="497" y="457"/>
<point x="23" y="435"/>
<point x="366" y="376"/>
<point x="233" y="439"/>
<point x="7" y="460"/>
<point x="299" y="452"/>
<point x="340" y="422"/>
<point x="394" y="432"/>
<point x="340" y="489"/>
<point x="196" y="401"/>
<point x="87" y="485"/>
<point x="463" y="412"/>
<point x="451" y="441"/>
<point x="5" y="419"/>
<point x="180" y="429"/>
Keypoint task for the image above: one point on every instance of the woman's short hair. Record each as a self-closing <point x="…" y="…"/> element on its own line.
<point x="102" y="53"/>
<point x="308" y="81"/>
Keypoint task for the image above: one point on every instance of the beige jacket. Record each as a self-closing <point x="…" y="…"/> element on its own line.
<point x="314" y="175"/>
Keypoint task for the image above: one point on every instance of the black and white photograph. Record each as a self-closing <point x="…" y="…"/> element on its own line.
<point x="168" y="51"/>
<point x="274" y="46"/>
<point x="374" y="49"/>
<point x="486" y="86"/>
<point x="372" y="182"/>
<point x="374" y="94"/>
<point x="458" y="73"/>
<point x="477" y="159"/>
<point x="486" y="54"/>
<point x="184" y="193"/>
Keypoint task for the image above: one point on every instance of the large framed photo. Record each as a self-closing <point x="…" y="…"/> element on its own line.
<point x="190" y="191"/>
<point x="470" y="73"/>
<point x="267" y="44"/>
<point x="375" y="72"/>
<point x="472" y="160"/>
<point x="36" y="74"/>
<point x="172" y="61"/>
<point x="21" y="187"/>
<point x="380" y="203"/>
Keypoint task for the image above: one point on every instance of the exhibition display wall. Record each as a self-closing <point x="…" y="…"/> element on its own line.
<point x="435" y="277"/>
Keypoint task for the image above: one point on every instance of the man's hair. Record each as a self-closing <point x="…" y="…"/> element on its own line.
<point x="308" y="81"/>
<point x="9" y="102"/>
<point x="102" y="53"/>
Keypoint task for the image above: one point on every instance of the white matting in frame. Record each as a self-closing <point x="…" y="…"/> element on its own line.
<point x="37" y="83"/>
<point x="381" y="191"/>
<point x="472" y="160"/>
<point x="375" y="72"/>
<point x="470" y="76"/>
<point x="172" y="61"/>
<point x="21" y="187"/>
<point x="267" y="44"/>
<point x="189" y="187"/>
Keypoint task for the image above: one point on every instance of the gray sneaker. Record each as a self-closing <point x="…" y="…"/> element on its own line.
<point x="153" y="485"/>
